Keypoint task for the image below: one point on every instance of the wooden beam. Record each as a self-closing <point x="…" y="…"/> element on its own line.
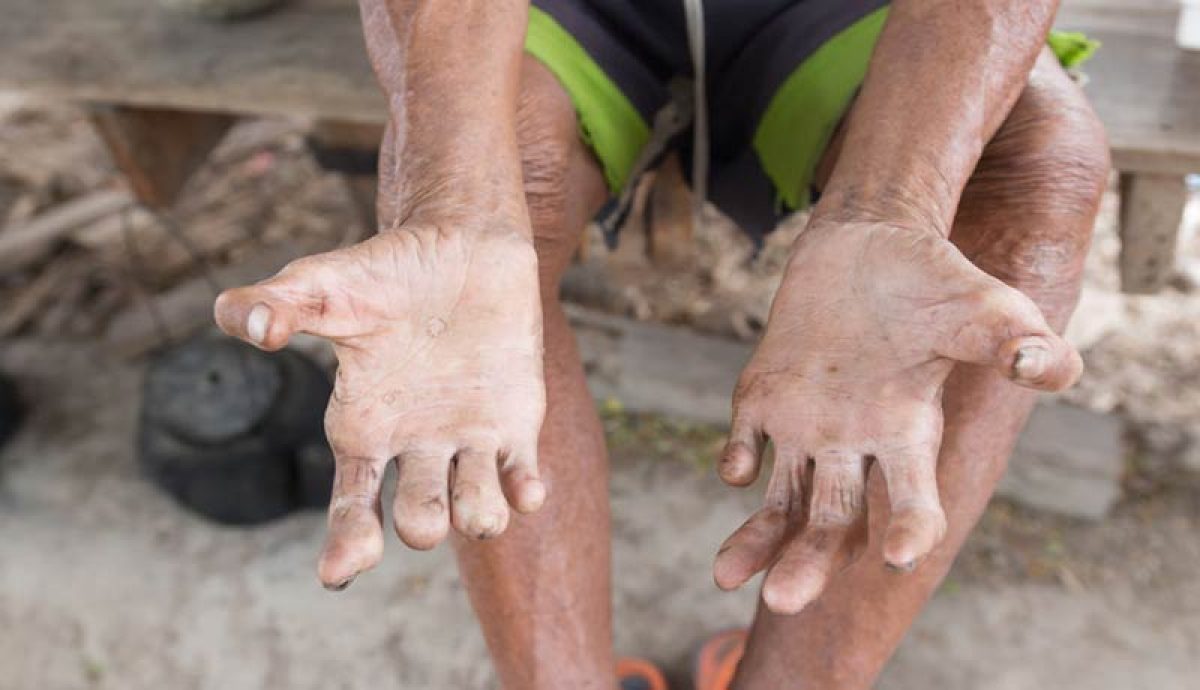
<point x="27" y="243"/>
<point x="307" y="58"/>
<point x="158" y="149"/>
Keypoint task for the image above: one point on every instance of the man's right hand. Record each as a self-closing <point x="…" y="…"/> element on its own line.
<point x="438" y="335"/>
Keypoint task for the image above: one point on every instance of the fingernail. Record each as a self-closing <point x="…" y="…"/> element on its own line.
<point x="906" y="567"/>
<point x="1030" y="363"/>
<point x="341" y="585"/>
<point x="257" y="322"/>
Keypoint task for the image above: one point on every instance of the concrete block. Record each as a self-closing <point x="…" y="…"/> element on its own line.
<point x="1068" y="460"/>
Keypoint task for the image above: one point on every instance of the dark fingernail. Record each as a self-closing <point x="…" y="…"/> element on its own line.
<point x="341" y="585"/>
<point x="1030" y="362"/>
<point x="902" y="567"/>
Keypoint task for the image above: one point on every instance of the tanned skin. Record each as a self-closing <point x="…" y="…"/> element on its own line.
<point x="436" y="321"/>
<point x="876" y="306"/>
<point x="884" y="334"/>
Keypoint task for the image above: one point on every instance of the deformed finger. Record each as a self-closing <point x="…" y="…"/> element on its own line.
<point x="751" y="548"/>
<point x="917" y="521"/>
<point x="267" y="314"/>
<point x="742" y="457"/>
<point x="355" y="534"/>
<point x="421" y="507"/>
<point x="836" y="508"/>
<point x="522" y="484"/>
<point x="803" y="569"/>
<point x="477" y="507"/>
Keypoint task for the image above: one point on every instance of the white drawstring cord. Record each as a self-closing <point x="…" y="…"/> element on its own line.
<point x="694" y="12"/>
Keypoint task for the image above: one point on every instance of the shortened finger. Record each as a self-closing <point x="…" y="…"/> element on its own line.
<point x="477" y="506"/>
<point x="804" y="567"/>
<point x="266" y="315"/>
<point x="912" y="532"/>
<point x="838" y="493"/>
<point x="421" y="506"/>
<point x="742" y="457"/>
<point x="751" y="548"/>
<point x="917" y="522"/>
<point x="355" y="534"/>
<point x="522" y="484"/>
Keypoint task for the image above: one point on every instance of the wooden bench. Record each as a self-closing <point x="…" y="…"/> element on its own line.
<point x="1147" y="92"/>
<point x="163" y="86"/>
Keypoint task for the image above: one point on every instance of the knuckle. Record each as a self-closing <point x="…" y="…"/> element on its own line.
<point x="467" y="491"/>
<point x="424" y="501"/>
<point x="829" y="518"/>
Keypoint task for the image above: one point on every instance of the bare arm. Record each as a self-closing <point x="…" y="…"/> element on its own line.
<point x="450" y="70"/>
<point x="437" y="323"/>
<point x="875" y="309"/>
<point x="943" y="77"/>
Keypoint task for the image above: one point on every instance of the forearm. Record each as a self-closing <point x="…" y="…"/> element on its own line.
<point x="944" y="75"/>
<point x="450" y="70"/>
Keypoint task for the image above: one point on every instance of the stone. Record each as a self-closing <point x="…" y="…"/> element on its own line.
<point x="1068" y="460"/>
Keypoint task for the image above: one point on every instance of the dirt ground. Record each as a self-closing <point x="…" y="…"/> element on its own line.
<point x="105" y="583"/>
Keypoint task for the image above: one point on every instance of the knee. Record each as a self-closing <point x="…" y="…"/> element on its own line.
<point x="1041" y="179"/>
<point x="548" y="141"/>
<point x="1057" y="154"/>
<point x="544" y="164"/>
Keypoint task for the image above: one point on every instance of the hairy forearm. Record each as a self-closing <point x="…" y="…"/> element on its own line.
<point x="944" y="75"/>
<point x="450" y="70"/>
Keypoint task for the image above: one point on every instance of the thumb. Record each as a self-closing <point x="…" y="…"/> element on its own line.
<point x="1006" y="331"/>
<point x="1042" y="362"/>
<point x="268" y="313"/>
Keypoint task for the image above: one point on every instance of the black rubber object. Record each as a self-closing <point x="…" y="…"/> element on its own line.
<point x="10" y="410"/>
<point x="234" y="433"/>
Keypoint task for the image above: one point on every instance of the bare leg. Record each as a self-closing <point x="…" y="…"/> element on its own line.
<point x="542" y="589"/>
<point x="1026" y="218"/>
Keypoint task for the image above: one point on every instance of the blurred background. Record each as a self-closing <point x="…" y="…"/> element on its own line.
<point x="160" y="488"/>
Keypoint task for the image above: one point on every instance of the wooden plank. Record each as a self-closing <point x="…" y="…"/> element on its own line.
<point x="27" y="243"/>
<point x="1144" y="87"/>
<point x="306" y="58"/>
<point x="1068" y="460"/>
<point x="1151" y="212"/>
<point x="158" y="149"/>
<point x="40" y="292"/>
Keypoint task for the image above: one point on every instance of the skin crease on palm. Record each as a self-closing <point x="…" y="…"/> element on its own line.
<point x="437" y="327"/>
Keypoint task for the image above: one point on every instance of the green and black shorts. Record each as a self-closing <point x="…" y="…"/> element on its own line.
<point x="780" y="76"/>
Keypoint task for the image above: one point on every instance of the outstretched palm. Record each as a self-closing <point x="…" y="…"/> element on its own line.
<point x="438" y="337"/>
<point x="865" y="328"/>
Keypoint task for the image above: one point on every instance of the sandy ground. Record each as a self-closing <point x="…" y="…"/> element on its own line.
<point x="104" y="583"/>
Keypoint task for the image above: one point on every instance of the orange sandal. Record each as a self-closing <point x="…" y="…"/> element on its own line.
<point x="639" y="674"/>
<point x="717" y="660"/>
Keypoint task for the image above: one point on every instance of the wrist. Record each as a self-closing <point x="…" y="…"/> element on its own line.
<point x="892" y="206"/>
<point x="470" y="226"/>
<point x="489" y="198"/>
